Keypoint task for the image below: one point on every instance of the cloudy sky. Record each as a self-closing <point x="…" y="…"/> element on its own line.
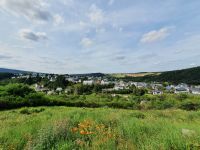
<point x="80" y="36"/>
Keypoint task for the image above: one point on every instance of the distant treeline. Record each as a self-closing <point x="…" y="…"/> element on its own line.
<point x="189" y="76"/>
<point x="5" y="76"/>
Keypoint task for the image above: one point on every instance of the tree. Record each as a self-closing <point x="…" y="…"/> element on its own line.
<point x="18" y="90"/>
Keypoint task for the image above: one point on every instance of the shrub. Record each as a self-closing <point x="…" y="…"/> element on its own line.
<point x="37" y="99"/>
<point x="138" y="115"/>
<point x="167" y="104"/>
<point x="37" y="110"/>
<point x="182" y="96"/>
<point x="30" y="111"/>
<point x="157" y="104"/>
<point x="25" y="111"/>
<point x="190" y="105"/>
<point x="18" y="90"/>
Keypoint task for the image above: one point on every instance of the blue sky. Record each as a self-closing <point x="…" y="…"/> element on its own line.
<point x="76" y="36"/>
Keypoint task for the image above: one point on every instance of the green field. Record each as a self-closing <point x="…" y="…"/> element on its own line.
<point x="99" y="128"/>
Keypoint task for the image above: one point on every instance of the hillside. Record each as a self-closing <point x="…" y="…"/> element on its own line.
<point x="190" y="76"/>
<point x="5" y="70"/>
<point x="89" y="74"/>
<point x="5" y="75"/>
<point x="140" y="74"/>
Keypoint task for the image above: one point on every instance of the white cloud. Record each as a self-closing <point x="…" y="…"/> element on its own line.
<point x="58" y="19"/>
<point x="97" y="35"/>
<point x="116" y="27"/>
<point x="111" y="2"/>
<point x="68" y="2"/>
<point x="96" y="15"/>
<point x="86" y="42"/>
<point x="193" y="64"/>
<point x="33" y="10"/>
<point x="100" y="30"/>
<point x="31" y="35"/>
<point x="156" y="35"/>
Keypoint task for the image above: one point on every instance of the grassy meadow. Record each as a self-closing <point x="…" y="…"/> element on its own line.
<point x="66" y="128"/>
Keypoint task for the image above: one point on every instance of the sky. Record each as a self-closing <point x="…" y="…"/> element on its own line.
<point x="108" y="36"/>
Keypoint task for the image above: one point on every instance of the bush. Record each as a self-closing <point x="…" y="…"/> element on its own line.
<point x="37" y="99"/>
<point x="25" y="111"/>
<point x="18" y="90"/>
<point x="190" y="105"/>
<point x="30" y="111"/>
<point x="157" y="104"/>
<point x="182" y="96"/>
<point x="138" y="115"/>
<point x="37" y="110"/>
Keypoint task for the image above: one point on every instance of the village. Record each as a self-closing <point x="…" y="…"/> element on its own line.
<point x="153" y="88"/>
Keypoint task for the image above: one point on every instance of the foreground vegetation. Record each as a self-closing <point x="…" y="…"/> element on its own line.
<point x="100" y="128"/>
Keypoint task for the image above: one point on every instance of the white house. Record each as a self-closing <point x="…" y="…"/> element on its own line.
<point x="88" y="82"/>
<point x="104" y="82"/>
<point x="183" y="85"/>
<point x="195" y="90"/>
<point x="39" y="88"/>
<point x="59" y="89"/>
<point x="52" y="79"/>
<point x="71" y="79"/>
<point x="181" y="90"/>
<point x="157" y="92"/>
<point x="156" y="85"/>
<point x="118" y="87"/>
<point x="51" y="92"/>
<point x="141" y="85"/>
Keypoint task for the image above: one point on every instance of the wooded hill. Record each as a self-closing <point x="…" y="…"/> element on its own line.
<point x="189" y="76"/>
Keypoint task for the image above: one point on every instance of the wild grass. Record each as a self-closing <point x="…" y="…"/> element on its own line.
<point x="99" y="129"/>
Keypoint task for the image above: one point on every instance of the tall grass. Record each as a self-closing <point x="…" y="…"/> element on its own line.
<point x="100" y="128"/>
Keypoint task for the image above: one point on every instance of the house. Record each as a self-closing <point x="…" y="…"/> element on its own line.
<point x="104" y="82"/>
<point x="52" y="79"/>
<point x="51" y="92"/>
<point x="113" y="95"/>
<point x="156" y="85"/>
<point x="88" y="82"/>
<point x="59" y="89"/>
<point x="195" y="90"/>
<point x="169" y="87"/>
<point x="181" y="90"/>
<point x="118" y="87"/>
<point x="71" y="79"/>
<point x="131" y="83"/>
<point x="23" y="77"/>
<point x="39" y="88"/>
<point x="198" y="86"/>
<point x="141" y="85"/>
<point x="157" y="92"/>
<point x="182" y="85"/>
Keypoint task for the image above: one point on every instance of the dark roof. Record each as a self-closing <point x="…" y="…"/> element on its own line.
<point x="181" y="89"/>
